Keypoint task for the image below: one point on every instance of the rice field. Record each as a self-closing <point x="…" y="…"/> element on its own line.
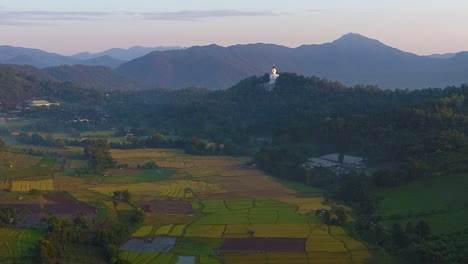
<point x="16" y="161"/>
<point x="171" y="188"/>
<point x="144" y="231"/>
<point x="26" y="166"/>
<point x="228" y="202"/>
<point x="25" y="186"/>
<point x="259" y="211"/>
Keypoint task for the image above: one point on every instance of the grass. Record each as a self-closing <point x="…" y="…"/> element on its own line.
<point x="304" y="190"/>
<point x="442" y="202"/>
<point x="134" y="176"/>
<point x="97" y="134"/>
<point x="47" y="166"/>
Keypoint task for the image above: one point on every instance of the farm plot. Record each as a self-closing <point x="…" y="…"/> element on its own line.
<point x="306" y="205"/>
<point x="16" y="161"/>
<point x="266" y="258"/>
<point x="144" y="231"/>
<point x="166" y="219"/>
<point x="445" y="211"/>
<point x="259" y="211"/>
<point x="167" y="206"/>
<point x="68" y="201"/>
<point x="26" y="186"/>
<point x="205" y="231"/>
<point x="243" y="206"/>
<point x="74" y="163"/>
<point x="156" y="244"/>
<point x="263" y="244"/>
<point x="170" y="188"/>
<point x="228" y="172"/>
<point x="167" y="158"/>
<point x="45" y="167"/>
<point x="17" y="243"/>
<point x="148" y="258"/>
<point x="15" y="198"/>
<point x="128" y="176"/>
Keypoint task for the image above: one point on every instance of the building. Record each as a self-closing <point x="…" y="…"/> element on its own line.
<point x="38" y="103"/>
<point x="337" y="164"/>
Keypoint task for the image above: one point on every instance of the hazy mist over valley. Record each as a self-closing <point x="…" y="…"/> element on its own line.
<point x="210" y="132"/>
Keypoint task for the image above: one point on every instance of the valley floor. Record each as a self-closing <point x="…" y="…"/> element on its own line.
<point x="201" y="209"/>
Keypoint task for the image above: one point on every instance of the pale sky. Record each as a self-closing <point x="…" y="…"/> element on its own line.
<point x="70" y="26"/>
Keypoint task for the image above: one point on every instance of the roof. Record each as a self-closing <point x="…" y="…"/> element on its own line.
<point x="39" y="102"/>
<point x="332" y="160"/>
<point x="346" y="158"/>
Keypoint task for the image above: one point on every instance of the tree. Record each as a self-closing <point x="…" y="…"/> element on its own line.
<point x="422" y="229"/>
<point x="341" y="215"/>
<point x="98" y="154"/>
<point x="8" y="216"/>
<point x="379" y="235"/>
<point x="81" y="220"/>
<point x="123" y="196"/>
<point x="409" y="228"/>
<point x="138" y="217"/>
<point x="48" y="252"/>
<point x="398" y="235"/>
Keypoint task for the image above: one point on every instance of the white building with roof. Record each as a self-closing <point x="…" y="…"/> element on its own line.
<point x="332" y="161"/>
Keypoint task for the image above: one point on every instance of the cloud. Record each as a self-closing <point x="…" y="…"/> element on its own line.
<point x="37" y="17"/>
<point x="317" y="10"/>
<point x="186" y="15"/>
<point x="44" y="17"/>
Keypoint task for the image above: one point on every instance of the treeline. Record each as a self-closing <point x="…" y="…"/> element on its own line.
<point x="38" y="140"/>
<point x="64" y="235"/>
<point x="423" y="141"/>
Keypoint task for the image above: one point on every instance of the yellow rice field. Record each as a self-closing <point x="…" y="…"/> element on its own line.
<point x="172" y="188"/>
<point x="25" y="186"/>
<point x="306" y="205"/>
<point x="144" y="231"/>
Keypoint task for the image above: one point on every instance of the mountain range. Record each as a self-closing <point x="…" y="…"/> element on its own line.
<point x="352" y="59"/>
<point x="41" y="59"/>
<point x="123" y="54"/>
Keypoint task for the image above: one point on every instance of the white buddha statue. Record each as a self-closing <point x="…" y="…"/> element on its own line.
<point x="274" y="75"/>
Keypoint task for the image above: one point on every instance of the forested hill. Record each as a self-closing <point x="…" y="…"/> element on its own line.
<point x="98" y="78"/>
<point x="20" y="83"/>
<point x="298" y="108"/>
<point x="94" y="77"/>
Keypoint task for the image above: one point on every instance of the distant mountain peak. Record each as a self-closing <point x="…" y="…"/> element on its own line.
<point x="354" y="39"/>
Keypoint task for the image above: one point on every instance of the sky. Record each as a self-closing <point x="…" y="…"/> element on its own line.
<point x="70" y="26"/>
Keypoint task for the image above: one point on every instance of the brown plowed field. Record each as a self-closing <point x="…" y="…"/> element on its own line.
<point x="167" y="206"/>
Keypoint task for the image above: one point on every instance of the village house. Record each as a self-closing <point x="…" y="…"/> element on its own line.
<point x="38" y="103"/>
<point x="338" y="163"/>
